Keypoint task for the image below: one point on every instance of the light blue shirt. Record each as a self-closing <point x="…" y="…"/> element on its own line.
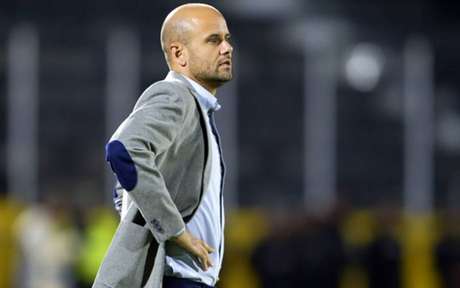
<point x="208" y="222"/>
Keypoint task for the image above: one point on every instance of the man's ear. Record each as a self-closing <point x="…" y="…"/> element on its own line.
<point x="178" y="53"/>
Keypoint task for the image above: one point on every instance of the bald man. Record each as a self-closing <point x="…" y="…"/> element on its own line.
<point x="168" y="163"/>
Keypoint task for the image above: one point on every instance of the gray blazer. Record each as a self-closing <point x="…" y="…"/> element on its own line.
<point x="160" y="155"/>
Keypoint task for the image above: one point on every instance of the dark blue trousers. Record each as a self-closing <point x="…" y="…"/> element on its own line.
<point x="173" y="282"/>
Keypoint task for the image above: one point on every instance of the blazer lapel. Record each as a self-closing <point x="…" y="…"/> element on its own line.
<point x="207" y="169"/>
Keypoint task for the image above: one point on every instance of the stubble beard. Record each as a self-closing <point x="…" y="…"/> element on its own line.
<point x="216" y="77"/>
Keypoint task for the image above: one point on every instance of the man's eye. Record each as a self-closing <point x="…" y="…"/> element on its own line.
<point x="213" y="40"/>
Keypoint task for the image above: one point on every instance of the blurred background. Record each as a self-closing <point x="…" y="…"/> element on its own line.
<point x="341" y="133"/>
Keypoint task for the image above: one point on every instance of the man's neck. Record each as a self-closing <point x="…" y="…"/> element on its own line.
<point x="210" y="88"/>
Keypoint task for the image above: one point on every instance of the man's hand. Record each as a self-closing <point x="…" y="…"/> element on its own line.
<point x="196" y="247"/>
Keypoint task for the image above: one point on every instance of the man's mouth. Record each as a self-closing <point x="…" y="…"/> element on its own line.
<point x="225" y="63"/>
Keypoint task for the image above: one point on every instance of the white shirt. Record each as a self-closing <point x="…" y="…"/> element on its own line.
<point x="207" y="223"/>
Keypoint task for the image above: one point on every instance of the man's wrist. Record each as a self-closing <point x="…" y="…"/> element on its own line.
<point x="179" y="233"/>
<point x="184" y="240"/>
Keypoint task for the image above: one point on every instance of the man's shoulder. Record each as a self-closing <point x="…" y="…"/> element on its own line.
<point x="167" y="86"/>
<point x="174" y="89"/>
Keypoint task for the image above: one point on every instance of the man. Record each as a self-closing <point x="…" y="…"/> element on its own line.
<point x="167" y="158"/>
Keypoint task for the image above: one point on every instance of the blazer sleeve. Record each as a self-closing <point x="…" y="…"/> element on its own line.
<point x="149" y="130"/>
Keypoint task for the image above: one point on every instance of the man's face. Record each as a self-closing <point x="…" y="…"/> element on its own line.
<point x="210" y="52"/>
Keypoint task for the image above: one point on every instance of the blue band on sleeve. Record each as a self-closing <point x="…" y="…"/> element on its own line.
<point x="122" y="164"/>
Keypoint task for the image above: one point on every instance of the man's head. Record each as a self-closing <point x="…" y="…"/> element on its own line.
<point x="195" y="40"/>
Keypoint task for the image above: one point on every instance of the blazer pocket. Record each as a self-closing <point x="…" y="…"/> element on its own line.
<point x="133" y="236"/>
<point x="125" y="261"/>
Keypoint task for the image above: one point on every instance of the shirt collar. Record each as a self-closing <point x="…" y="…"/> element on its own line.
<point x="206" y="99"/>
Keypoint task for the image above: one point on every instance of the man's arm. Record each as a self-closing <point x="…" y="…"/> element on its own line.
<point x="147" y="132"/>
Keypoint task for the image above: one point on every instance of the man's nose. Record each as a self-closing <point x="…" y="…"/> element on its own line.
<point x="226" y="47"/>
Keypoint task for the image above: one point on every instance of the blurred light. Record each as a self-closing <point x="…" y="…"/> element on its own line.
<point x="364" y="67"/>
<point x="265" y="8"/>
<point x="448" y="131"/>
